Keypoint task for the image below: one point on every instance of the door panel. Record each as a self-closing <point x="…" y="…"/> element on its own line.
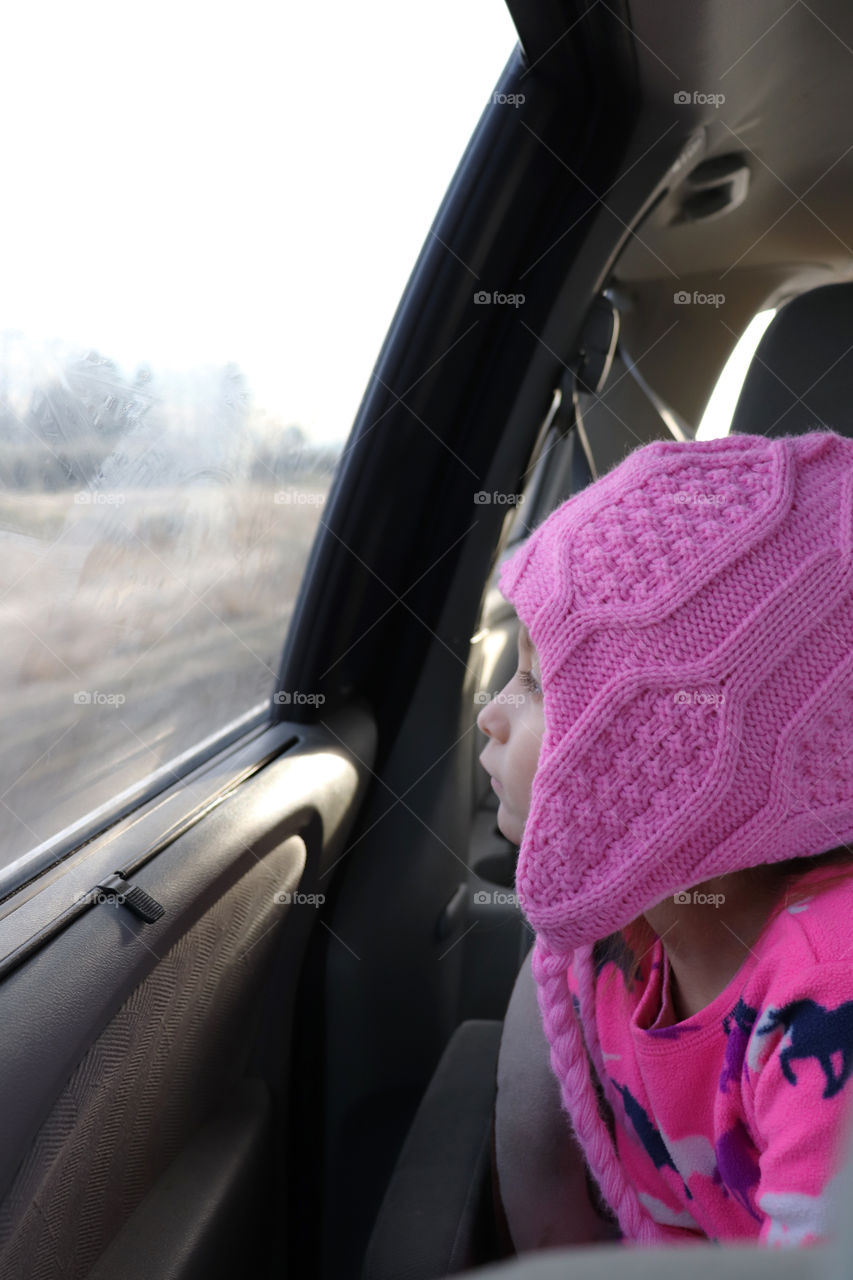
<point x="204" y="1218"/>
<point x="123" y="1039"/>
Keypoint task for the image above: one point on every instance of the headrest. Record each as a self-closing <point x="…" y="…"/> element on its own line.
<point x="801" y="376"/>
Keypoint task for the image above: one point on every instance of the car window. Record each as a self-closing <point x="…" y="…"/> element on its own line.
<point x="183" y="261"/>
<point x="546" y="482"/>
<point x="532" y="502"/>
<point x="153" y="527"/>
<point x="720" y="408"/>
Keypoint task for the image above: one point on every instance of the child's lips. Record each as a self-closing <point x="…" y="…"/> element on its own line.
<point x="496" y="786"/>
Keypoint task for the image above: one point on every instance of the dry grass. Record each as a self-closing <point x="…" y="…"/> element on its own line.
<point x="174" y="599"/>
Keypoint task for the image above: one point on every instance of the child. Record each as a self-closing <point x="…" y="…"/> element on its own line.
<point x="676" y="763"/>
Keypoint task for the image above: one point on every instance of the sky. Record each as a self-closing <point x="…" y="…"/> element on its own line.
<point x="193" y="184"/>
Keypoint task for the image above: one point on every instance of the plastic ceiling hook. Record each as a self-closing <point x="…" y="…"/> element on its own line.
<point x="714" y="188"/>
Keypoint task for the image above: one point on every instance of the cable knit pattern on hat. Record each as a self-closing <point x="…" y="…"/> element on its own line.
<point x="693" y="615"/>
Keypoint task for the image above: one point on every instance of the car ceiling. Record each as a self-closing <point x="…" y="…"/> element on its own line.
<point x="787" y="74"/>
<point x="786" y="70"/>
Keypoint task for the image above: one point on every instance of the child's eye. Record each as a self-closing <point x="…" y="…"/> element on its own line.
<point x="529" y="681"/>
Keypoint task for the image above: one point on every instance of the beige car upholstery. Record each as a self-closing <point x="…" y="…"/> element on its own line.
<point x="541" y="1170"/>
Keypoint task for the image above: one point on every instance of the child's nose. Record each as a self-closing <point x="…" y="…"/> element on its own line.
<point x="482" y="719"/>
<point x="491" y="720"/>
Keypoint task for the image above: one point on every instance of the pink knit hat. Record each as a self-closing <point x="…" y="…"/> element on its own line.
<point x="693" y="615"/>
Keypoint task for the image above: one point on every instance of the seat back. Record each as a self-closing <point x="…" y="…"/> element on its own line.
<point x="801" y="376"/>
<point x="540" y="1168"/>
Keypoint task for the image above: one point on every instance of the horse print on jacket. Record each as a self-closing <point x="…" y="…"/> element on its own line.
<point x="648" y="1134"/>
<point x="738" y="1026"/>
<point x="813" y="1031"/>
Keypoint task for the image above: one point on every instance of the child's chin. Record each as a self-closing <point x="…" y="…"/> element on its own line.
<point x="509" y="826"/>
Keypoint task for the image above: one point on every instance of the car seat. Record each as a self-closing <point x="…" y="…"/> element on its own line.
<point x="489" y="1167"/>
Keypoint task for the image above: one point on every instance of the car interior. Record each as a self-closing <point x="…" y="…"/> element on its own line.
<point x="278" y="1019"/>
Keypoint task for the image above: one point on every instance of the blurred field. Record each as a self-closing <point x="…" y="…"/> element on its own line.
<point x="175" y="598"/>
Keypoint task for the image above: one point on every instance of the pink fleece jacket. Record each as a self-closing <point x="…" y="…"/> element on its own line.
<point x="732" y="1125"/>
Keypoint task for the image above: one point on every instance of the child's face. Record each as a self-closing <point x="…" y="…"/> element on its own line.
<point x="514" y="723"/>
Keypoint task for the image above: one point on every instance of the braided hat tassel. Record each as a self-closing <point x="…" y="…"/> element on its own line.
<point x="571" y="1067"/>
